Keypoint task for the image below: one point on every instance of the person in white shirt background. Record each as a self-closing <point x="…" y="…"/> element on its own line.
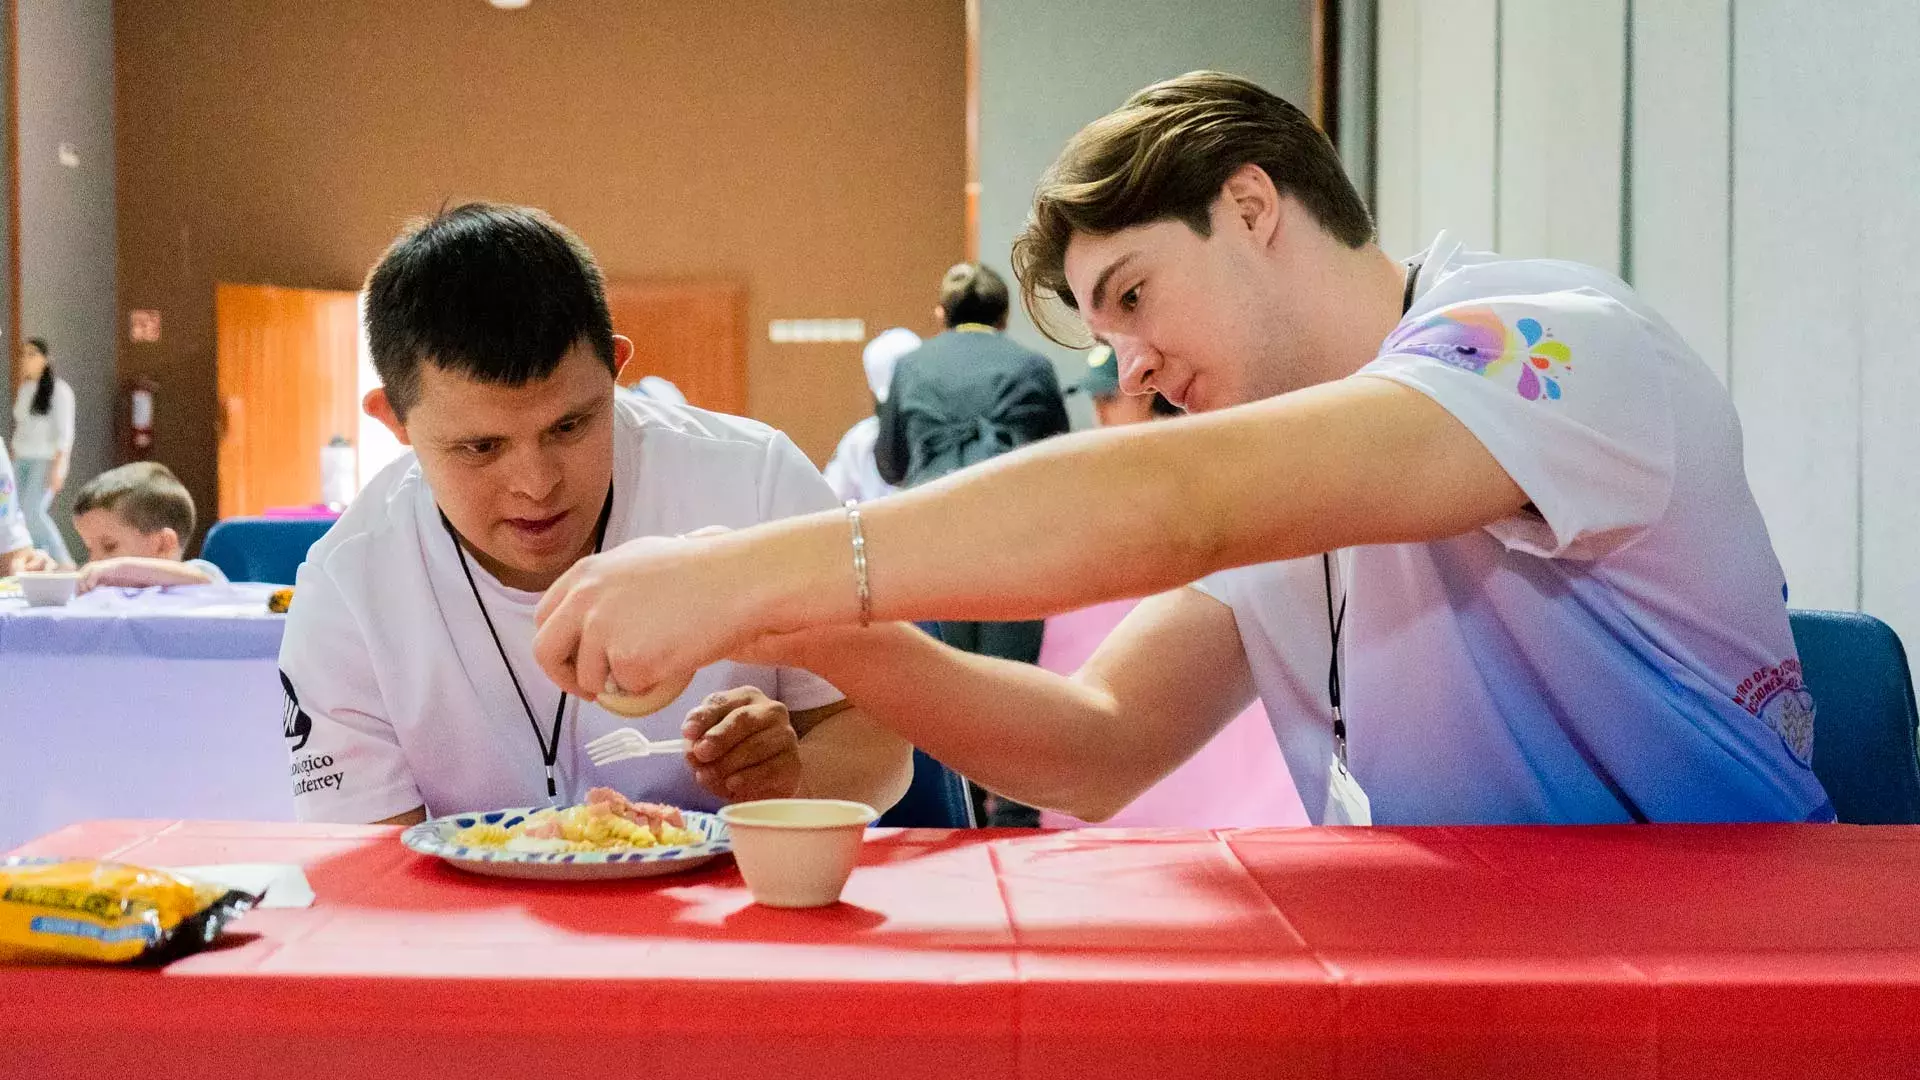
<point x="17" y="553"/>
<point x="1549" y="592"/>
<point x="42" y="444"/>
<point x="852" y="472"/>
<point x="407" y="662"/>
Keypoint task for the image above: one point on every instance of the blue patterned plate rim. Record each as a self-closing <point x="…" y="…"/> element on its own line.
<point x="435" y="837"/>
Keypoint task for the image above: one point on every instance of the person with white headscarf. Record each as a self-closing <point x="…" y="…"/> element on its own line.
<point x="853" y="473"/>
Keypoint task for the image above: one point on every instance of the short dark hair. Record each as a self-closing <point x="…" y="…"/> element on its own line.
<point x="971" y="293"/>
<point x="40" y="345"/>
<point x="145" y="494"/>
<point x="1164" y="156"/>
<point x="497" y="293"/>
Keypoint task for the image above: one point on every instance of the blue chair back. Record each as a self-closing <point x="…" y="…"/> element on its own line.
<point x="937" y="799"/>
<point x="262" y="549"/>
<point x="1864" y="725"/>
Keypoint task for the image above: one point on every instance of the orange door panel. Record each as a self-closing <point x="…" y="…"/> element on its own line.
<point x="288" y="364"/>
<point x="691" y="333"/>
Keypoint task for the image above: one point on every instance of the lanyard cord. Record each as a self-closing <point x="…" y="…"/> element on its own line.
<point x="1338" y="620"/>
<point x="549" y="747"/>
<point x="1334" y="624"/>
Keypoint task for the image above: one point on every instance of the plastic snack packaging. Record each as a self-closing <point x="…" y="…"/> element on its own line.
<point x="83" y="909"/>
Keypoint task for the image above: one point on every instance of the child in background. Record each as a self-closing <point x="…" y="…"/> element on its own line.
<point x="135" y="521"/>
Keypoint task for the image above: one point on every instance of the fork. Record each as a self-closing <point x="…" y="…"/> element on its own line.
<point x="625" y="743"/>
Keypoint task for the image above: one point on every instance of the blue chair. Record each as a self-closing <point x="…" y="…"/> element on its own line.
<point x="936" y="799"/>
<point x="260" y="548"/>
<point x="1865" y="721"/>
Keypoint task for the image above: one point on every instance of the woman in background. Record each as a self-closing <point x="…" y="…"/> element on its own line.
<point x="42" y="445"/>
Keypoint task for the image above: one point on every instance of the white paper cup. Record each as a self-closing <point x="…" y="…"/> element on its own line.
<point x="49" y="588"/>
<point x="797" y="853"/>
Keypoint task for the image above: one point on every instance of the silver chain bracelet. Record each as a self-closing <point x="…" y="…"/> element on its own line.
<point x="860" y="561"/>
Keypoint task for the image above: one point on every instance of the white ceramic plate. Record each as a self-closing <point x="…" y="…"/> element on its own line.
<point x="435" y="837"/>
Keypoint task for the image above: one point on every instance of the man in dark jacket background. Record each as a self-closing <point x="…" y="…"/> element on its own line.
<point x="970" y="393"/>
<point x="964" y="396"/>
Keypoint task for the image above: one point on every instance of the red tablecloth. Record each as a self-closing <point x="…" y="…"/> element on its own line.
<point x="1670" y="951"/>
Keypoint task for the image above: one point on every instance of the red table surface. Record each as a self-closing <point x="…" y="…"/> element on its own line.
<point x="1652" y="951"/>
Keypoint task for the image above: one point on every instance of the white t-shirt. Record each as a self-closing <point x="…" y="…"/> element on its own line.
<point x="13" y="524"/>
<point x="1622" y="654"/>
<point x="1280" y="609"/>
<point x="853" y="472"/>
<point x="47" y="435"/>
<point x="396" y="694"/>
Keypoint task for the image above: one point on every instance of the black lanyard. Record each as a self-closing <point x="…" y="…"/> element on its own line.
<point x="1337" y="620"/>
<point x="549" y="748"/>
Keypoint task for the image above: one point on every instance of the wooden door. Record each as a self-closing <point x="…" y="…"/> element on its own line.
<point x="691" y="333"/>
<point x="288" y="363"/>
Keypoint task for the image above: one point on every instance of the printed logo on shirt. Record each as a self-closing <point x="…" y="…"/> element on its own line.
<point x="310" y="774"/>
<point x="1476" y="340"/>
<point x="1778" y="695"/>
<point x="294" y="721"/>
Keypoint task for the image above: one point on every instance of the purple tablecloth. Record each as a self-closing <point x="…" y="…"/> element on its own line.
<point x="193" y="622"/>
<point x="150" y="703"/>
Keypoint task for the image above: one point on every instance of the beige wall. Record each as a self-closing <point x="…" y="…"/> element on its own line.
<point x="813" y="151"/>
<point x="1048" y="69"/>
<point x="64" y="54"/>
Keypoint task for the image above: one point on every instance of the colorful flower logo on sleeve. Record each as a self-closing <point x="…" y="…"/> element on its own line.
<point x="1476" y="340"/>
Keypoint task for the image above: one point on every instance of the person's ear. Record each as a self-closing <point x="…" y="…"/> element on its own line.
<point x="377" y="405"/>
<point x="622" y="356"/>
<point x="940" y="317"/>
<point x="1252" y="202"/>
<point x="165" y="543"/>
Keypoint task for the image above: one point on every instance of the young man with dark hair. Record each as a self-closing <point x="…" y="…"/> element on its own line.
<point x="411" y="685"/>
<point x="1548" y="596"/>
<point x="136" y="521"/>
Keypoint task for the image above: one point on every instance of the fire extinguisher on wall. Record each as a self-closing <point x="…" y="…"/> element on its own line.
<point x="136" y="418"/>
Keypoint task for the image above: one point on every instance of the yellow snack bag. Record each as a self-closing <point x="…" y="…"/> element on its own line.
<point x="90" y="910"/>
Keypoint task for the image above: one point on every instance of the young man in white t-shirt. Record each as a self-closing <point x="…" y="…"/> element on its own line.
<point x="407" y="663"/>
<point x="1554" y="596"/>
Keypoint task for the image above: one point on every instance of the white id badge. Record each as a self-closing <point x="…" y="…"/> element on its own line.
<point x="1347" y="802"/>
